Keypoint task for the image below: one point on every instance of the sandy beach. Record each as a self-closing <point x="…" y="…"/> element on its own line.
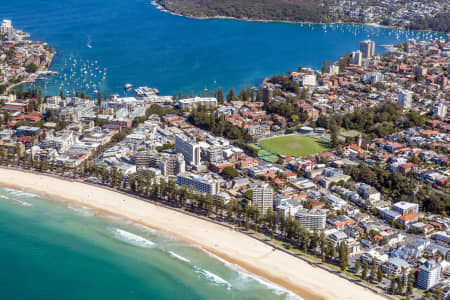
<point x="294" y="274"/>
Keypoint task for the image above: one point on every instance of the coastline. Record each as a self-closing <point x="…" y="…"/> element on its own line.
<point x="218" y="17"/>
<point x="14" y="85"/>
<point x="251" y="254"/>
<point x="17" y="84"/>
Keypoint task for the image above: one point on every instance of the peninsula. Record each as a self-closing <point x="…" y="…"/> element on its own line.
<point x="21" y="60"/>
<point x="395" y="13"/>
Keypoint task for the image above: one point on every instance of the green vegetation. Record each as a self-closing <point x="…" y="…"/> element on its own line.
<point x="439" y="22"/>
<point x="32" y="68"/>
<point x="294" y="145"/>
<point x="397" y="187"/>
<point x="206" y="120"/>
<point x="285" y="10"/>
<point x="349" y="133"/>
<point x="375" y="122"/>
<point x="230" y="172"/>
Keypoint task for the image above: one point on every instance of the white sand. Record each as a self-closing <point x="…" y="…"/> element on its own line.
<point x="308" y="281"/>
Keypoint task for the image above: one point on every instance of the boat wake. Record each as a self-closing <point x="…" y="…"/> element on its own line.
<point x="179" y="257"/>
<point x="88" y="44"/>
<point x="133" y="239"/>
<point x="212" y="277"/>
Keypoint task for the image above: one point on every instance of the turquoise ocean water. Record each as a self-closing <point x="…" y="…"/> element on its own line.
<point x="133" y="42"/>
<point x="52" y="250"/>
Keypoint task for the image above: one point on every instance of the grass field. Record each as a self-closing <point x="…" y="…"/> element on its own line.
<point x="349" y="133"/>
<point x="293" y="145"/>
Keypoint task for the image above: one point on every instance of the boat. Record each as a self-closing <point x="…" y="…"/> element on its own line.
<point x="144" y="92"/>
<point x="128" y="86"/>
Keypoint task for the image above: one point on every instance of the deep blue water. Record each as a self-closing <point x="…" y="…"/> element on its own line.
<point x="141" y="45"/>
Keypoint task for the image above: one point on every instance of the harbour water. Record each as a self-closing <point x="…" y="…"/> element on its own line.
<point x="102" y="45"/>
<point x="56" y="250"/>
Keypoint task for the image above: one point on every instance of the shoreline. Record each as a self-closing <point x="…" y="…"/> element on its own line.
<point x="221" y="240"/>
<point x="218" y="17"/>
<point x="14" y="85"/>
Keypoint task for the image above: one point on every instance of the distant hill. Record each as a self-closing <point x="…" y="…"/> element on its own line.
<point x="440" y="22"/>
<point x="281" y="10"/>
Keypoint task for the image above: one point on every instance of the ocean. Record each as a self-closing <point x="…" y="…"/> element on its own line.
<point x="102" y="45"/>
<point x="60" y="250"/>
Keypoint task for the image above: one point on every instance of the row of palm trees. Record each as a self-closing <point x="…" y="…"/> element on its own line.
<point x="274" y="224"/>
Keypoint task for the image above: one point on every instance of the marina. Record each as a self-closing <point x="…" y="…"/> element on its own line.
<point x="145" y="45"/>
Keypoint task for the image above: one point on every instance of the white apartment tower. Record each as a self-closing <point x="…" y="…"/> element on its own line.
<point x="357" y="57"/>
<point x="189" y="148"/>
<point x="312" y="218"/>
<point x="429" y="275"/>
<point x="440" y="110"/>
<point x="263" y="197"/>
<point x="404" y="98"/>
<point x="367" y="48"/>
<point x="6" y="27"/>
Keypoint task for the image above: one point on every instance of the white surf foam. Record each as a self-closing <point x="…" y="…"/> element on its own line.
<point x="155" y="232"/>
<point x="279" y="290"/>
<point x="20" y="193"/>
<point x="24" y="203"/>
<point x="82" y="210"/>
<point x="212" y="277"/>
<point x="179" y="257"/>
<point x="133" y="239"/>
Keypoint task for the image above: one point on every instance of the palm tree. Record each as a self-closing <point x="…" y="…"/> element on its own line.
<point x="18" y="153"/>
<point x="209" y="204"/>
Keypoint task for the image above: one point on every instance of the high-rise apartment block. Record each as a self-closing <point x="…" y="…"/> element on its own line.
<point x="263" y="197"/>
<point x="367" y="48"/>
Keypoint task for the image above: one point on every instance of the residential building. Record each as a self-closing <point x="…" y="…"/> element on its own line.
<point x="191" y="103"/>
<point x="267" y="94"/>
<point x="309" y="80"/>
<point x="440" y="110"/>
<point x="263" y="197"/>
<point x="7" y="29"/>
<point x="312" y="218"/>
<point x="357" y="57"/>
<point x="367" y="48"/>
<point x="333" y="70"/>
<point x="172" y="164"/>
<point x="429" y="275"/>
<point x="404" y="98"/>
<point x="214" y="154"/>
<point x="27" y="131"/>
<point x="189" y="148"/>
<point x="406" y="208"/>
<point x="203" y="184"/>
<point x="394" y="266"/>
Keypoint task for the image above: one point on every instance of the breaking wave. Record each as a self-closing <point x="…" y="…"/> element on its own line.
<point x="82" y="210"/>
<point x="179" y="257"/>
<point x="279" y="290"/>
<point x="133" y="239"/>
<point x="212" y="277"/>
<point x="18" y="193"/>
